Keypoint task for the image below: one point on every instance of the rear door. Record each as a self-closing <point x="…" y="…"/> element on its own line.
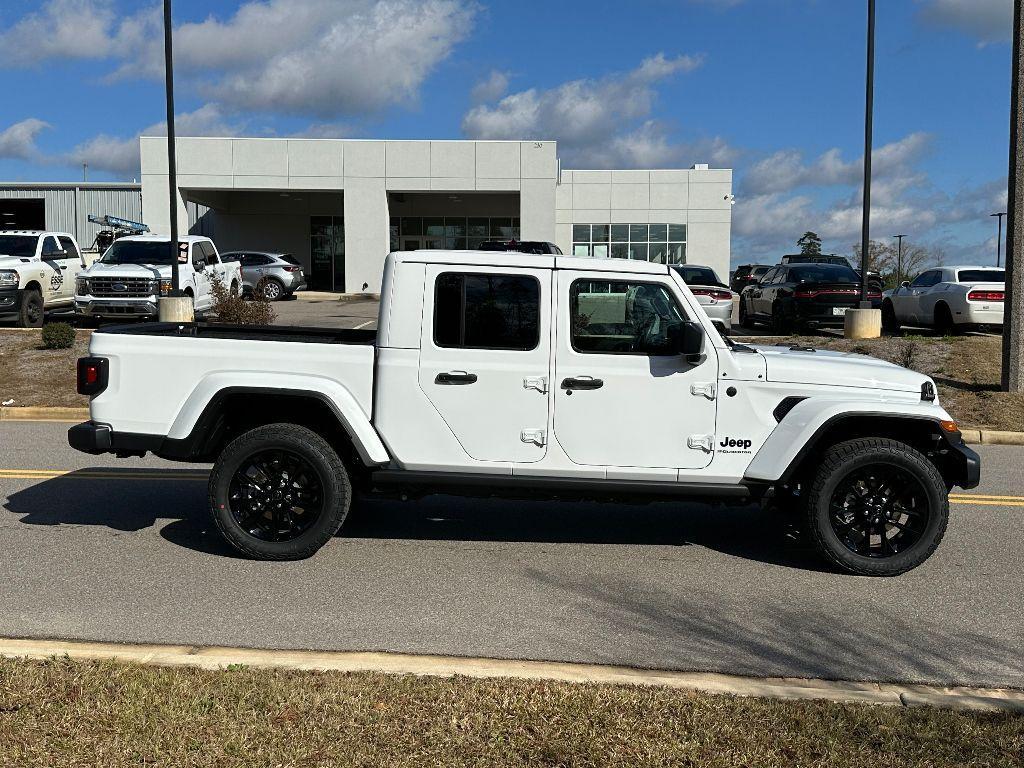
<point x="622" y="400"/>
<point x="484" y="357"/>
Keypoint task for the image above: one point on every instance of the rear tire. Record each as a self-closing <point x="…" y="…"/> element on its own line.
<point x="876" y="507"/>
<point x="889" y="320"/>
<point x="32" y="311"/>
<point x="279" y="492"/>
<point x="780" y="324"/>
<point x="273" y="290"/>
<point x="944" y="320"/>
<point x="744" y="320"/>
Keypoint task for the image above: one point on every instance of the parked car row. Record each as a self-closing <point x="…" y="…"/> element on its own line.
<point x="42" y="271"/>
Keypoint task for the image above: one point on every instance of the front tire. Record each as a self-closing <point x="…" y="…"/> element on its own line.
<point x="876" y="507"/>
<point x="279" y="492"/>
<point x="889" y="320"/>
<point x="32" y="310"/>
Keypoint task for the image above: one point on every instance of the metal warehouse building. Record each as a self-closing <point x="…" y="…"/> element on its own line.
<point x="66" y="207"/>
<point x="341" y="205"/>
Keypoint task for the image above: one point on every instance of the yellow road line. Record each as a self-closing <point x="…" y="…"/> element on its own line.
<point x="91" y="474"/>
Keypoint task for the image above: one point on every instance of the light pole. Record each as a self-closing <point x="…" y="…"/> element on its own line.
<point x="899" y="258"/>
<point x="865" y="322"/>
<point x="175" y="307"/>
<point x="999" y="237"/>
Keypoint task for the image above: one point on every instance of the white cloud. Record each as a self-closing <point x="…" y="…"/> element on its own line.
<point x="988" y="21"/>
<point x="493" y="87"/>
<point x="598" y="122"/>
<point x="786" y="170"/>
<point x="19" y="140"/>
<point x="62" y="29"/>
<point x="120" y="154"/>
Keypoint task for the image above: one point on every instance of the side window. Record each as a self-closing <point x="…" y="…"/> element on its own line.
<point x="197" y="254"/>
<point x="248" y="260"/>
<point x="780" y="276"/>
<point x="50" y="247"/>
<point x="69" y="247"/>
<point x="768" y="276"/>
<point x="622" y="318"/>
<point x="926" y="279"/>
<point x="209" y="252"/>
<point x="486" y="311"/>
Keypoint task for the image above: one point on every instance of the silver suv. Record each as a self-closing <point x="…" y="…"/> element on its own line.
<point x="279" y="274"/>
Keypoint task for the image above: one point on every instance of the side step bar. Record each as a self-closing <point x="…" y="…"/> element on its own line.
<point x="479" y="484"/>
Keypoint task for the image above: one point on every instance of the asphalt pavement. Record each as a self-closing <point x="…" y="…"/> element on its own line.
<point x="98" y="548"/>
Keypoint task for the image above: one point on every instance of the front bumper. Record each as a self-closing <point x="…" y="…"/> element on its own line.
<point x="963" y="464"/>
<point x="95" y="307"/>
<point x="10" y="303"/>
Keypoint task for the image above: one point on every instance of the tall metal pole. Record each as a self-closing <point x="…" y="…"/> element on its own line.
<point x="999" y="236"/>
<point x="172" y="170"/>
<point x="899" y="258"/>
<point x="865" y="232"/>
<point x="1013" y="324"/>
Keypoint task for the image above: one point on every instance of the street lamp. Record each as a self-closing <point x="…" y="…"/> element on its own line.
<point x="899" y="258"/>
<point x="999" y="237"/>
<point x="175" y="307"/>
<point x="865" y="231"/>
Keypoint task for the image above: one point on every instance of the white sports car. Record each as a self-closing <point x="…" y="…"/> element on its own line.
<point x="948" y="299"/>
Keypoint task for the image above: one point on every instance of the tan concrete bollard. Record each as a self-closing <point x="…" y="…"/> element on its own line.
<point x="176" y="309"/>
<point x="863" y="324"/>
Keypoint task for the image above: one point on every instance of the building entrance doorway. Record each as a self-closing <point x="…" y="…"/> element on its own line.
<point x="327" y="253"/>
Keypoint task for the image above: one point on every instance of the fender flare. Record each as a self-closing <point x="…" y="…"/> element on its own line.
<point x="799" y="430"/>
<point x="214" y="388"/>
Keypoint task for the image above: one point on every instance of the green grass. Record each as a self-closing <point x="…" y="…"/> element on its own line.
<point x="67" y="713"/>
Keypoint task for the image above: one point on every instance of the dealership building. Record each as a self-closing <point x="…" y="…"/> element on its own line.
<point x="341" y="205"/>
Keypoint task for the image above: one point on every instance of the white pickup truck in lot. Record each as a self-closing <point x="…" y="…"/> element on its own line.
<point x="37" y="274"/>
<point x="948" y="299"/>
<point x="524" y="375"/>
<point x="128" y="280"/>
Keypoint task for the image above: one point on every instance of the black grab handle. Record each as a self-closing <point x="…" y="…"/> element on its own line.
<point x="455" y="378"/>
<point x="572" y="384"/>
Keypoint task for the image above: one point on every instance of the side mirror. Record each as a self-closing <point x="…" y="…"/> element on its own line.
<point x="686" y="338"/>
<point x="905" y="284"/>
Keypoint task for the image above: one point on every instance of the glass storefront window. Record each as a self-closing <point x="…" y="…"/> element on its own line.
<point x="600" y="250"/>
<point x="638" y="233"/>
<point x="412" y="225"/>
<point x="656" y="253"/>
<point x="658" y="233"/>
<point x="454" y="227"/>
<point x="620" y="251"/>
<point x="581" y="233"/>
<point x="620" y="233"/>
<point x="433" y="226"/>
<point x="501" y="228"/>
<point x="580" y="249"/>
<point x="658" y="243"/>
<point x="638" y="251"/>
<point x="677" y="253"/>
<point x="599" y="233"/>
<point x="677" y="232"/>
<point x="478" y="227"/>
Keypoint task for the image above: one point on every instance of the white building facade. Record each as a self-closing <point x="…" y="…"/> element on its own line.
<point x="341" y="205"/>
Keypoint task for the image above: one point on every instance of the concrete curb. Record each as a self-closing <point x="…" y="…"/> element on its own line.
<point x="43" y="413"/>
<point x="212" y="657"/>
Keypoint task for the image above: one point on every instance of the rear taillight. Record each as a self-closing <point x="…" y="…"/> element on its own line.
<point x="986" y="296"/>
<point x="292" y="269"/>
<point x="92" y="375"/>
<point x="811" y="292"/>
<point x="718" y="295"/>
<point x="874" y="294"/>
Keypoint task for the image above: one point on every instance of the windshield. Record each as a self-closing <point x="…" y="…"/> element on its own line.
<point x="981" y="276"/>
<point x="137" y="252"/>
<point x="823" y="273"/>
<point x="22" y="246"/>
<point x="759" y="271"/>
<point x="697" y="275"/>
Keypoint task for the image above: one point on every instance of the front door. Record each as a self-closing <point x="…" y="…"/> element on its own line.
<point x="621" y="400"/>
<point x="53" y="278"/>
<point x="484" y="359"/>
<point x="71" y="265"/>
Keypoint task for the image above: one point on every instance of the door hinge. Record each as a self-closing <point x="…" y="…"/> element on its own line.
<point x="704" y="443"/>
<point x="535" y="436"/>
<point x="707" y="390"/>
<point x="540" y="383"/>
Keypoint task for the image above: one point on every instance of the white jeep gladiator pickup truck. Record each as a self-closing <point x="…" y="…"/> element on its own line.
<point x="128" y="280"/>
<point x="511" y="374"/>
<point x="37" y="274"/>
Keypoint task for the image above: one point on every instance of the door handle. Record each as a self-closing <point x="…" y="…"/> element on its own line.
<point x="455" y="377"/>
<point x="63" y="266"/>
<point x="581" y="383"/>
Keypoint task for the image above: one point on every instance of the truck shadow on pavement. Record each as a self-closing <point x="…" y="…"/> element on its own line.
<point x="132" y="500"/>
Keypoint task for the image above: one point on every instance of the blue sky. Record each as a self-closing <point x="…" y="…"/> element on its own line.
<point x="771" y="88"/>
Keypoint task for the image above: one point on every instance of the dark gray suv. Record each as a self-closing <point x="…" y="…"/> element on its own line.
<point x="279" y="274"/>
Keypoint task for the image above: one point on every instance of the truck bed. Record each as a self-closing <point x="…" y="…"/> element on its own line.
<point x="294" y="334"/>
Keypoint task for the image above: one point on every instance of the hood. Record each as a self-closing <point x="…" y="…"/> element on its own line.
<point x="99" y="269"/>
<point x="802" y="366"/>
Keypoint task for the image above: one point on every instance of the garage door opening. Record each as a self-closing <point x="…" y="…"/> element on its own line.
<point x="23" y="213"/>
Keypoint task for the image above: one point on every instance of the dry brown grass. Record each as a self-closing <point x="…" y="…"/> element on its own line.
<point x="31" y="375"/>
<point x="67" y="713"/>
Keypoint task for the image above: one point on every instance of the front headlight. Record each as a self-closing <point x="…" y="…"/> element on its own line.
<point x="82" y="286"/>
<point x="8" y="278"/>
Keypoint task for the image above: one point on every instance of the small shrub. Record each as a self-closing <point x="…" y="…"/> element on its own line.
<point x="58" y="336"/>
<point x="906" y="354"/>
<point x="231" y="308"/>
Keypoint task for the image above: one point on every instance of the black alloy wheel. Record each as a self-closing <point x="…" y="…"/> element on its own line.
<point x="879" y="510"/>
<point x="276" y="495"/>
